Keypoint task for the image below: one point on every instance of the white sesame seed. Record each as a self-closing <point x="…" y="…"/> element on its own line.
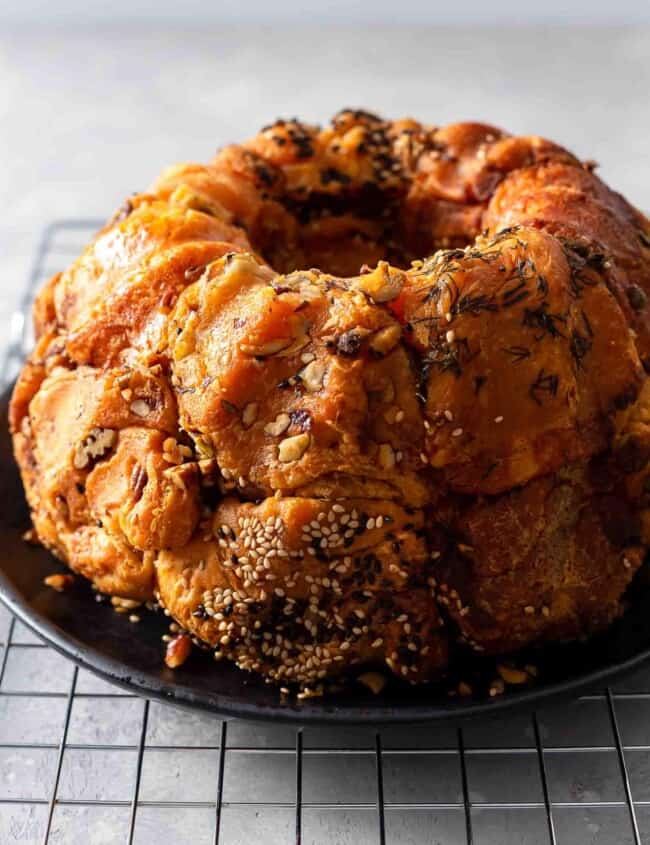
<point x="457" y="432"/>
<point x="498" y="419"/>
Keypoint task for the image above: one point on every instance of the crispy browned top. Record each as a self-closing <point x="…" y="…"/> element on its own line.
<point x="341" y="377"/>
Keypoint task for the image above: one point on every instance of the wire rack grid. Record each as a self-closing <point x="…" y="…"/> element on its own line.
<point x="82" y="761"/>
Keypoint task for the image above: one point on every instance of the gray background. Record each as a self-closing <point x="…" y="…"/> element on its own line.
<point x="89" y="114"/>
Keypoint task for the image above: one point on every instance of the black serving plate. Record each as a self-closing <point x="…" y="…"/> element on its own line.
<point x="131" y="655"/>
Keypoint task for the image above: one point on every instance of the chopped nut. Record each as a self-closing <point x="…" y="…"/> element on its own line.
<point x="249" y="414"/>
<point x="178" y="650"/>
<point x="386" y="456"/>
<point x="278" y="426"/>
<point x="296" y="345"/>
<point x="98" y="442"/>
<point x="293" y="448"/>
<point x="185" y="197"/>
<point x="386" y="339"/>
<point x="263" y="350"/>
<point x="382" y="284"/>
<point x="59" y="582"/>
<point x="175" y="475"/>
<point x="312" y="376"/>
<point x="140" y="408"/>
<point x="512" y="676"/>
<point x="126" y="604"/>
<point x="138" y="480"/>
<point x="373" y="680"/>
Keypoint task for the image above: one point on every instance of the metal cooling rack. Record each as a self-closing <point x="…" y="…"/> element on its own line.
<point x="83" y="762"/>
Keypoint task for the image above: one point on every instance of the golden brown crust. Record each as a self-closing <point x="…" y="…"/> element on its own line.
<point x="300" y="588"/>
<point x="520" y="567"/>
<point x="286" y="380"/>
<point x="513" y="343"/>
<point x="313" y="469"/>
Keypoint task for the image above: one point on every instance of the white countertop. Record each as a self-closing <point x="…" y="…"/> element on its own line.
<point x="88" y="117"/>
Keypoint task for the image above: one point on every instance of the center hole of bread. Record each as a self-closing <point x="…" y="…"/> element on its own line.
<point x="340" y="234"/>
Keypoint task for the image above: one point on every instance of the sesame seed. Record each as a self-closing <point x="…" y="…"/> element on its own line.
<point x="449" y="416"/>
<point x="498" y="419"/>
<point x="457" y="432"/>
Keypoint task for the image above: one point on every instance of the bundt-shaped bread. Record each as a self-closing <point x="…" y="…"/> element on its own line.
<point x="315" y="470"/>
